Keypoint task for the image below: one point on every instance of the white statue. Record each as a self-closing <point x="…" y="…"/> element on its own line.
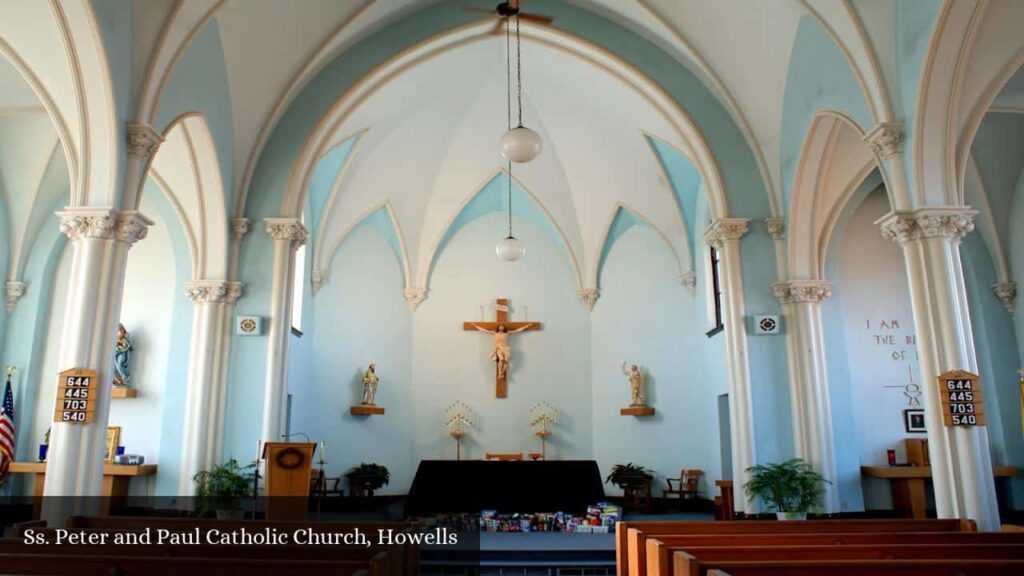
<point x="636" y="384"/>
<point x="370" y="381"/>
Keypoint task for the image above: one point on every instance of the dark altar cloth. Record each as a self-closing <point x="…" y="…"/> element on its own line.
<point x="452" y="486"/>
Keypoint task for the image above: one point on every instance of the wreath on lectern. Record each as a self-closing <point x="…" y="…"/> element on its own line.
<point x="290" y="458"/>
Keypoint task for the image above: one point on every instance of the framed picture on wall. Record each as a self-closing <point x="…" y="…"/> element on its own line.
<point x="913" y="420"/>
<point x="113" y="438"/>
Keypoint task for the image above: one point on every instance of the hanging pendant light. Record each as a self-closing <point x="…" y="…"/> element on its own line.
<point x="519" y="144"/>
<point x="510" y="248"/>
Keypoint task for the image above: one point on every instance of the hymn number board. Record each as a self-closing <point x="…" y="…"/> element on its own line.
<point x="76" y="396"/>
<point x="960" y="394"/>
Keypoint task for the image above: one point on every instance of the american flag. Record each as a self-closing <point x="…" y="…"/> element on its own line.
<point x="7" y="430"/>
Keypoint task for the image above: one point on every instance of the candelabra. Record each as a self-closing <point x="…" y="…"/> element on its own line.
<point x="457" y="418"/>
<point x="544" y="416"/>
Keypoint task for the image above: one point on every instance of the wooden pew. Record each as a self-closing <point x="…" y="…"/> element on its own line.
<point x="660" y="557"/>
<point x="82" y="565"/>
<point x="630" y="550"/>
<point x="859" y="568"/>
<point x="864" y="538"/>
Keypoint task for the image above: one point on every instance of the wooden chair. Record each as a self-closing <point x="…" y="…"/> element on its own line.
<point x="687" y="486"/>
<point x="321" y="485"/>
<point x="515" y="456"/>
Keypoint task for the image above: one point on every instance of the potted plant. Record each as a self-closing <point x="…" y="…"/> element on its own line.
<point x="629" y="475"/>
<point x="366" y="478"/>
<point x="223" y="488"/>
<point x="790" y="488"/>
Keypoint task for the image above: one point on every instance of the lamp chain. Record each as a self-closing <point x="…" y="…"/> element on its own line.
<point x="508" y="90"/>
<point x="519" y="73"/>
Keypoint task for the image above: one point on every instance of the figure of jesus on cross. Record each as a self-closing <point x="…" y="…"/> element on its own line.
<point x="501" y="354"/>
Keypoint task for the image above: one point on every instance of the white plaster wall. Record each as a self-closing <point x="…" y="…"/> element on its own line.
<point x="880" y="360"/>
<point x="646" y="317"/>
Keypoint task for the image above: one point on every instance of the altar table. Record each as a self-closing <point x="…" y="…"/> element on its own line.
<point x="453" y="486"/>
<point x="115" y="478"/>
<point x="908" y="485"/>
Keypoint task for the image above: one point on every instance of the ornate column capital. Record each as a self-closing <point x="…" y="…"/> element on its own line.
<point x="239" y="228"/>
<point x="688" y="279"/>
<point x="78" y="223"/>
<point x="142" y="141"/>
<point x="776" y="228"/>
<point x="216" y="291"/>
<point x="415" y="297"/>
<point x="290" y="229"/>
<point x="589" y="297"/>
<point x="1007" y="294"/>
<point x="794" y="291"/>
<point x="724" y="229"/>
<point x="13" y="291"/>
<point x="132" y="226"/>
<point x="886" y="139"/>
<point x="82" y="222"/>
<point x="951" y="222"/>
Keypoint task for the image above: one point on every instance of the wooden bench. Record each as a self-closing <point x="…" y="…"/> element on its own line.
<point x="630" y="548"/>
<point x="84" y="565"/>
<point x="866" y="568"/>
<point x="661" y="560"/>
<point x="838" y="539"/>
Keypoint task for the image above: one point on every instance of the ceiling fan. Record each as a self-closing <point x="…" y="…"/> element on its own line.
<point x="506" y="10"/>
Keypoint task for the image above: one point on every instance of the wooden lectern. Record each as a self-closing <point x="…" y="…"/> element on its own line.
<point x="288" y="466"/>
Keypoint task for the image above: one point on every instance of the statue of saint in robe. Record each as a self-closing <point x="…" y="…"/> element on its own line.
<point x="122" y="357"/>
<point x="370" y="381"/>
<point x="636" y="384"/>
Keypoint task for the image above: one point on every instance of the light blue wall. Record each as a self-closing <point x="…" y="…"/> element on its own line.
<point x="172" y="417"/>
<point x="24" y="349"/>
<point x="914" y="25"/>
<point x="685" y="181"/>
<point x="117" y="30"/>
<point x="844" y="421"/>
<point x="645" y="317"/>
<point x="995" y="342"/>
<point x="819" y="78"/>
<point x="1016" y="257"/>
<point x="998" y="149"/>
<point x="200" y="83"/>
<point x="322" y="181"/>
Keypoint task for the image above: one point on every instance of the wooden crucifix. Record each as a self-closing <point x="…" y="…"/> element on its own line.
<point x="502" y="351"/>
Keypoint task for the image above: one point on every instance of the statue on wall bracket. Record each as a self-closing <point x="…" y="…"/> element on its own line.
<point x="367" y="407"/>
<point x="122" y="357"/>
<point x="637" y="404"/>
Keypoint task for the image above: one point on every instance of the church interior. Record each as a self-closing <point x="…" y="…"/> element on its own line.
<point x="605" y="267"/>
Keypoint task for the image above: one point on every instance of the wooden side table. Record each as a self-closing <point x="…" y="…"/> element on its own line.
<point x="725" y="486"/>
<point x="637" y="497"/>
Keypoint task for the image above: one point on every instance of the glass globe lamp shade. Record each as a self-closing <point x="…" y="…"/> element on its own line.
<point x="510" y="249"/>
<point x="521" y="144"/>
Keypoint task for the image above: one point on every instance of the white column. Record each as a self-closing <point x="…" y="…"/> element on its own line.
<point x="288" y="234"/>
<point x="808" y="375"/>
<point x="99" y="243"/>
<point x="961" y="464"/>
<point x="204" y="399"/>
<point x="724" y="234"/>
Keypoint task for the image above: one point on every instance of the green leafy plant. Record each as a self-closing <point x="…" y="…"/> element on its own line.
<point x="223" y="487"/>
<point x="628" y="475"/>
<point x="792" y="486"/>
<point x="369" y="476"/>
